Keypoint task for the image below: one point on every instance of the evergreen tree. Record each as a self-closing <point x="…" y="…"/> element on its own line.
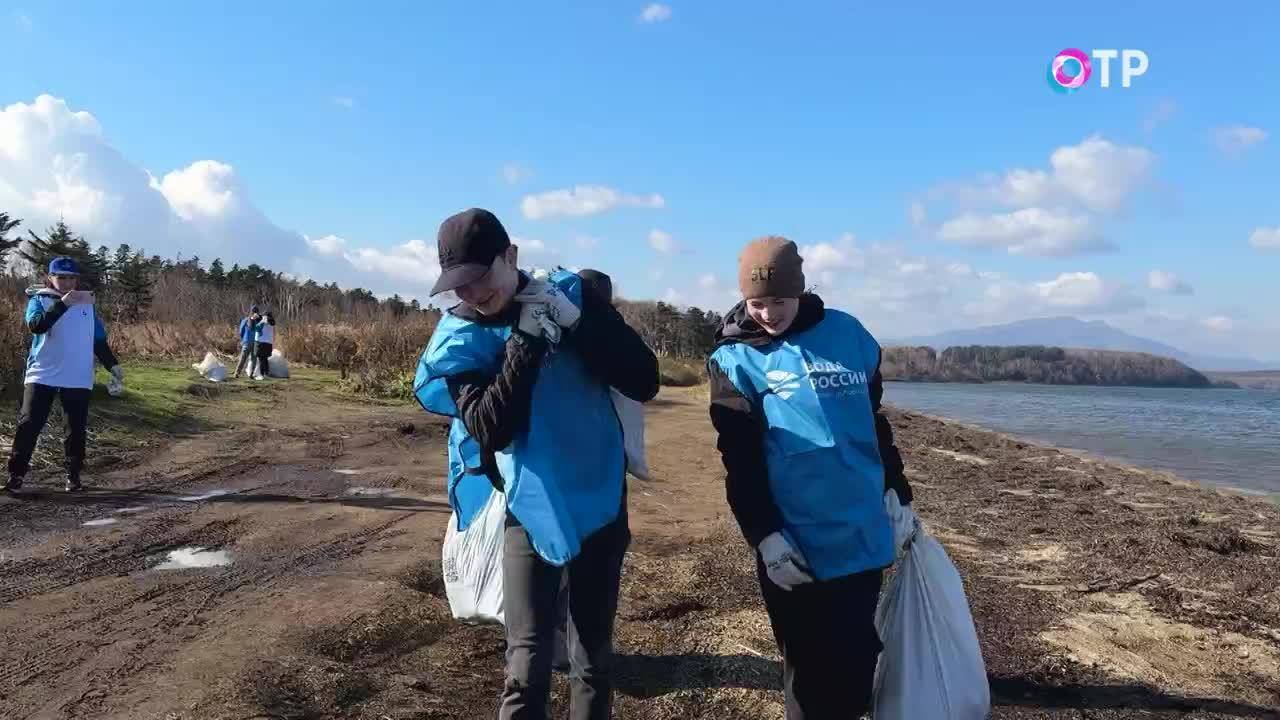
<point x="217" y="274"/>
<point x="120" y="261"/>
<point x="135" y="286"/>
<point x="102" y="261"/>
<point x="5" y="243"/>
<point x="58" y="241"/>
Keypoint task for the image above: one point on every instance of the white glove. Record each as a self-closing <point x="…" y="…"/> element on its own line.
<point x="904" y="521"/>
<point x="117" y="372"/>
<point x="559" y="308"/>
<point x="785" y="565"/>
<point x="535" y="320"/>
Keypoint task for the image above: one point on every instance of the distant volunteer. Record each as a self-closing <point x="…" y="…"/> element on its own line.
<point x="524" y="367"/>
<point x="248" y="332"/>
<point x="266" y="336"/>
<point x="67" y="336"/>
<point x="795" y="400"/>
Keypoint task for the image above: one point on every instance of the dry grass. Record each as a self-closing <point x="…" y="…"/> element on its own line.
<point x="13" y="338"/>
<point x="680" y="373"/>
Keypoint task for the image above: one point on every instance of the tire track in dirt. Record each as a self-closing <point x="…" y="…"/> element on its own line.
<point x="150" y="623"/>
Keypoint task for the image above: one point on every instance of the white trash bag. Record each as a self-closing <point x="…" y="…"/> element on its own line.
<point x="932" y="665"/>
<point x="211" y="368"/>
<point x="631" y="413"/>
<point x="115" y="388"/>
<point x="472" y="563"/>
<point x="277" y="366"/>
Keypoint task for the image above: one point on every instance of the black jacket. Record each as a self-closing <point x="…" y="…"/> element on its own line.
<point x="741" y="428"/>
<point x="495" y="408"/>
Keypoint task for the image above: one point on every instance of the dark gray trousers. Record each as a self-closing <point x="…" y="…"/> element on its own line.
<point x="827" y="635"/>
<point x="531" y="611"/>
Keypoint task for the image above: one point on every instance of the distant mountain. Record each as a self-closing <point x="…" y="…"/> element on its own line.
<point x="1069" y="332"/>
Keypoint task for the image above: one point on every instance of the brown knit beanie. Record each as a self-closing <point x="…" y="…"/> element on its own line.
<point x="770" y="267"/>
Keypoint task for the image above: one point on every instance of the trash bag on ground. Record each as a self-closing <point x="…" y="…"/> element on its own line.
<point x="932" y="665"/>
<point x="277" y="366"/>
<point x="472" y="563"/>
<point x="211" y="368"/>
<point x="115" y="388"/>
<point x="631" y="413"/>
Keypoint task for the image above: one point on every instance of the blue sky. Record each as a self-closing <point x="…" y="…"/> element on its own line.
<point x="361" y="128"/>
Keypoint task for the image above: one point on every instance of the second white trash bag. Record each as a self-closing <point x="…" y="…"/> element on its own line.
<point x="631" y="413"/>
<point x="211" y="368"/>
<point x="277" y="366"/>
<point x="472" y="563"/>
<point x="932" y="664"/>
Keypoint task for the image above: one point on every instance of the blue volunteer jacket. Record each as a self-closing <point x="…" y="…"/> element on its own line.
<point x="806" y="450"/>
<point x="248" y="331"/>
<point x="64" y="341"/>
<point x="561" y="463"/>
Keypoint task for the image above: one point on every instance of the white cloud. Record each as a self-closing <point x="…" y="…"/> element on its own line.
<point x="1031" y="231"/>
<point x="1078" y="293"/>
<point x="663" y="242"/>
<point x="343" y="102"/>
<point x="1168" y="282"/>
<point x="330" y="245"/>
<point x="1235" y="139"/>
<point x="514" y="174"/>
<point x="23" y="21"/>
<point x="1097" y="175"/>
<point x="1266" y="238"/>
<point x="56" y="162"/>
<point x="708" y="282"/>
<point x="655" y="13"/>
<point x="586" y="242"/>
<point x="960" y="269"/>
<point x="1085" y="291"/>
<point x="1219" y="323"/>
<point x="583" y="200"/>
<point x="827" y="258"/>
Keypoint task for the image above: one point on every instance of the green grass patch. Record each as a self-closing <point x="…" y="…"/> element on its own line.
<point x="161" y="401"/>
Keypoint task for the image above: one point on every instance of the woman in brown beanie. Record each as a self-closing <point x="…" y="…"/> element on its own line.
<point x="809" y="456"/>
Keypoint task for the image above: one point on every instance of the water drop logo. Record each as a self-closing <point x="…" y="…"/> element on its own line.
<point x="782" y="383"/>
<point x="1069" y="71"/>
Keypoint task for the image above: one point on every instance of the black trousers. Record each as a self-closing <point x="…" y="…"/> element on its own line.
<point x="532" y="615"/>
<point x="264" y="353"/>
<point x="37" y="401"/>
<point x="827" y="636"/>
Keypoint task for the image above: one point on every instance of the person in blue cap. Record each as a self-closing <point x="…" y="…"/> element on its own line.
<point x="248" y="342"/>
<point x="524" y="367"/>
<point x="810" y="459"/>
<point x="67" y="335"/>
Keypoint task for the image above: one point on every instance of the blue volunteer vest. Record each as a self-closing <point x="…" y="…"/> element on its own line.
<point x="563" y="477"/>
<point x="824" y="464"/>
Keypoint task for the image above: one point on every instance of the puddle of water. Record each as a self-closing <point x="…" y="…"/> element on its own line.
<point x="130" y="510"/>
<point x="100" y="522"/>
<point x="205" y="496"/>
<point x="194" y="557"/>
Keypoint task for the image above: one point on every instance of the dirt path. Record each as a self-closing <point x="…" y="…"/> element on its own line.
<point x="1096" y="593"/>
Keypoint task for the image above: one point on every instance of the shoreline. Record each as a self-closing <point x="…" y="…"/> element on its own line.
<point x="1086" y="572"/>
<point x="1169" y="476"/>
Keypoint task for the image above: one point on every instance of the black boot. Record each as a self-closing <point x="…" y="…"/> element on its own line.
<point x="14" y="484"/>
<point x="73" y="483"/>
